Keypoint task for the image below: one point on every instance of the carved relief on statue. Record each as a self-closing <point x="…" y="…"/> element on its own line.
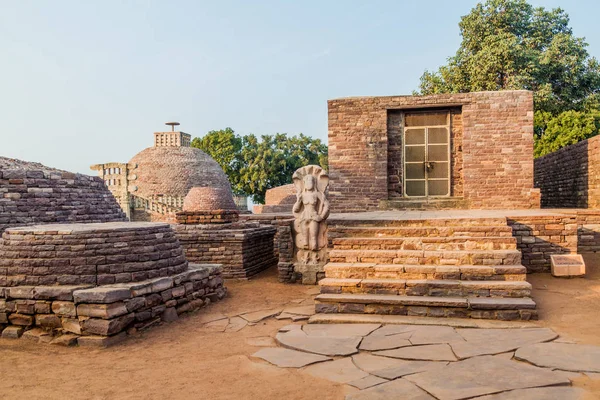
<point x="310" y="211"/>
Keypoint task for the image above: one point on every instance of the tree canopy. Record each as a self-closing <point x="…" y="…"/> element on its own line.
<point x="508" y="45"/>
<point x="255" y="164"/>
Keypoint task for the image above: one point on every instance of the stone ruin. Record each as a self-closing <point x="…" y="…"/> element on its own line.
<point x="210" y="232"/>
<point x="67" y="282"/>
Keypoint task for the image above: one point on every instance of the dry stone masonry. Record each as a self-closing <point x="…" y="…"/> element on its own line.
<point x="90" y="283"/>
<point x="31" y="193"/>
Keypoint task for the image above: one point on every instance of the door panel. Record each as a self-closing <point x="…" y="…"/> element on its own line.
<point x="426" y="154"/>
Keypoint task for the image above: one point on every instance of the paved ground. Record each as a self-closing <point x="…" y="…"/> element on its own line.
<point x="209" y="354"/>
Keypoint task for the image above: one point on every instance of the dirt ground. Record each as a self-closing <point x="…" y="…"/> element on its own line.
<point x="183" y="360"/>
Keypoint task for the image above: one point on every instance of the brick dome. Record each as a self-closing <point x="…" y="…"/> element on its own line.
<point x="173" y="171"/>
<point x="209" y="199"/>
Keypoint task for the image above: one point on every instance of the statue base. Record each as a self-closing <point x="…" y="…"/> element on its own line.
<point x="311" y="265"/>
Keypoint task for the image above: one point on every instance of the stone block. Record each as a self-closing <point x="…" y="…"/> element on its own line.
<point x="71" y="325"/>
<point x="161" y="284"/>
<point x="135" y="303"/>
<point x="101" y="295"/>
<point x="169" y="315"/>
<point x="12" y="332"/>
<point x="101" y="341"/>
<point x="25" y="306"/>
<point x="21" y="319"/>
<point x="103" y="327"/>
<point x="64" y="308"/>
<point x="35" y="334"/>
<point x="65" y="340"/>
<point x="51" y="321"/>
<point x="567" y="265"/>
<point x="104" y="311"/>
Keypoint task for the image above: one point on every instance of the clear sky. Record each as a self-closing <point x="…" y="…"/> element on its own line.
<point x="85" y="82"/>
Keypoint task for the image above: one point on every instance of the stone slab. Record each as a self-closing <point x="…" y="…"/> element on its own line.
<point x="300" y="310"/>
<point x="327" y="346"/>
<point x="236" y="324"/>
<point x="101" y="295"/>
<point x="261" y="341"/>
<point x="568" y="357"/>
<point x="367" y="382"/>
<point x="567" y="265"/>
<point x="547" y="393"/>
<point x="435" y="335"/>
<point x="398" y="389"/>
<point x="339" y="330"/>
<point x="371" y="364"/>
<point x="258" y="316"/>
<point x="481" y="376"/>
<point x="65" y="340"/>
<point x="206" y="318"/>
<point x="495" y="341"/>
<point x="286" y="358"/>
<point x="12" y="332"/>
<point x="340" y="371"/>
<point x="430" y="352"/>
<point x="375" y="343"/>
<point x="217" y="326"/>
<point x="407" y="367"/>
<point x="101" y="341"/>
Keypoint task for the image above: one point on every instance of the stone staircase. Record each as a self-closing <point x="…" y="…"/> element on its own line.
<point x="467" y="268"/>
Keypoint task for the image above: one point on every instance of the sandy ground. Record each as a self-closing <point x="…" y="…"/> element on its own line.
<point x="183" y="360"/>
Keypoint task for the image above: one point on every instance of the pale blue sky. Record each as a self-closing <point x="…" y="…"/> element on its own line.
<point x="84" y="82"/>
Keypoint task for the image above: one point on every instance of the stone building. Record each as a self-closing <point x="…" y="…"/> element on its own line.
<point x="279" y="199"/>
<point x="464" y="150"/>
<point x="154" y="183"/>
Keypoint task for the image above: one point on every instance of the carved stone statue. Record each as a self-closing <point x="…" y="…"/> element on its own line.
<point x="310" y="227"/>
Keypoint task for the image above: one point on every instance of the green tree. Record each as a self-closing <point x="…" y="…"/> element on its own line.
<point x="255" y="164"/>
<point x="567" y="128"/>
<point x="509" y="44"/>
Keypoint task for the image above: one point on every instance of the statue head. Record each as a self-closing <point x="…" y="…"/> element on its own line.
<point x="309" y="183"/>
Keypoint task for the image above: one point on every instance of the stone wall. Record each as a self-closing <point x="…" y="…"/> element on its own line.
<point x="95" y="254"/>
<point x="101" y="316"/>
<point x="244" y="249"/>
<point x="538" y="237"/>
<point x="496" y="148"/>
<point x="33" y="194"/>
<point x="279" y="199"/>
<point x="207" y="217"/>
<point x="570" y="177"/>
<point x="588" y="231"/>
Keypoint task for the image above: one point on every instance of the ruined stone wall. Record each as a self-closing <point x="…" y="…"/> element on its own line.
<point x="570" y="177"/>
<point x="34" y="194"/>
<point x="496" y="148"/>
<point x="243" y="249"/>
<point x="538" y="237"/>
<point x="588" y="231"/>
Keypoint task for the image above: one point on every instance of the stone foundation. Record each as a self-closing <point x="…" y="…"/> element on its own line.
<point x="207" y="217"/>
<point x="244" y="249"/>
<point x="101" y="316"/>
<point x="588" y="231"/>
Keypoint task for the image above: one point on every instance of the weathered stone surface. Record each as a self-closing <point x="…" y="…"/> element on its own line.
<point x="370" y="363"/>
<point x="101" y="341"/>
<point x="325" y="345"/>
<point x="391" y="368"/>
<point x="340" y="371"/>
<point x="483" y="375"/>
<point x="286" y="358"/>
<point x="71" y="325"/>
<point x="48" y="321"/>
<point x="65" y="340"/>
<point x="398" y="389"/>
<point x="339" y="330"/>
<point x="300" y="310"/>
<point x="21" y="319"/>
<point x="104" y="311"/>
<point x="435" y="335"/>
<point x="568" y="357"/>
<point x="217" y="326"/>
<point x="367" y="382"/>
<point x="496" y="341"/>
<point x="258" y="316"/>
<point x="61" y="293"/>
<point x="236" y="324"/>
<point x="432" y="352"/>
<point x="381" y="342"/>
<point x="35" y="334"/>
<point x="169" y="315"/>
<point x="558" y="393"/>
<point x="96" y="326"/>
<point x="12" y="332"/>
<point x="101" y="295"/>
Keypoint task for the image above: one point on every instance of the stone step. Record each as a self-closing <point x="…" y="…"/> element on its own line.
<point x="421" y="257"/>
<point x="427" y="287"/>
<point x="423" y="231"/>
<point x="437" y="222"/>
<point x="425" y="243"/>
<point x="431" y="306"/>
<point x="400" y="271"/>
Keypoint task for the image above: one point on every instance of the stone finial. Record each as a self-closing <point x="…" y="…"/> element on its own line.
<point x="311" y="210"/>
<point x="173" y="125"/>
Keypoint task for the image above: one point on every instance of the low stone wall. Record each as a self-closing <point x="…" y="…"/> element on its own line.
<point x="207" y="217"/>
<point x="101" y="316"/>
<point x="96" y="254"/>
<point x="538" y="237"/>
<point x="588" y="231"/>
<point x="244" y="249"/>
<point x="283" y="243"/>
<point x="44" y="196"/>
<point x="570" y="177"/>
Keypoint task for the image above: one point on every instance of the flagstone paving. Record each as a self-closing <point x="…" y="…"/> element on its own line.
<point x="425" y="362"/>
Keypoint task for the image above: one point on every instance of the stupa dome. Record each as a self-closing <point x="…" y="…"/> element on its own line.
<point x="209" y="199"/>
<point x="173" y="171"/>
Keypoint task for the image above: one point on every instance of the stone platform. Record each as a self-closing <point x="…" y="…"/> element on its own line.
<point x="91" y="283"/>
